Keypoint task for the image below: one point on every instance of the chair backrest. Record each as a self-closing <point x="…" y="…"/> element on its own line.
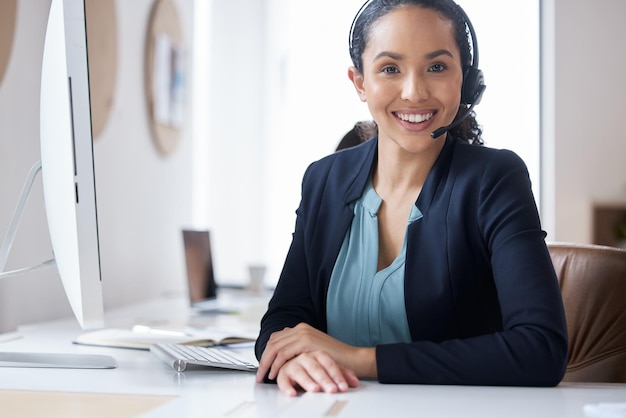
<point x="593" y="285"/>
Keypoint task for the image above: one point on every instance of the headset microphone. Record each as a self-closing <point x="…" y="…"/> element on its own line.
<point x="440" y="131"/>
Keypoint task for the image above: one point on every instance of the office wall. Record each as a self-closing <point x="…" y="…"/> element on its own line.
<point x="236" y="151"/>
<point x="273" y="110"/>
<point x="585" y="98"/>
<point x="144" y="198"/>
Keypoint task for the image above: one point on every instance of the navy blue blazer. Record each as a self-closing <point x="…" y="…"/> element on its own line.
<point x="482" y="299"/>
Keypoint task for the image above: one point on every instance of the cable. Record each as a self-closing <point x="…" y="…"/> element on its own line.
<point x="45" y="264"/>
<point x="17" y="215"/>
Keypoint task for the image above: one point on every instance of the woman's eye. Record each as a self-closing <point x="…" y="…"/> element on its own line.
<point x="437" y="68"/>
<point x="389" y="70"/>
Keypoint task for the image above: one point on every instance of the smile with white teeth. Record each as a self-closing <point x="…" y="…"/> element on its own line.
<point x="415" y="118"/>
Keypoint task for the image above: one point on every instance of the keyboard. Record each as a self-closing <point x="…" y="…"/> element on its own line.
<point x="179" y="356"/>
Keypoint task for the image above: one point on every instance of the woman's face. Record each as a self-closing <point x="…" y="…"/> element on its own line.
<point x="411" y="78"/>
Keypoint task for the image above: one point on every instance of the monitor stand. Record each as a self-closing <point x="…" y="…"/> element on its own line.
<point x="47" y="360"/>
<point x="57" y="360"/>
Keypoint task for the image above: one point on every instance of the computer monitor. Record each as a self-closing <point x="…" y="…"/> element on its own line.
<point x="67" y="170"/>
<point x="67" y="161"/>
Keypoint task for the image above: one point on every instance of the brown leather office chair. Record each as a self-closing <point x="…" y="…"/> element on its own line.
<point x="593" y="285"/>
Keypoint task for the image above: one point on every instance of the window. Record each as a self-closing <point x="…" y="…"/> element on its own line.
<point x="308" y="104"/>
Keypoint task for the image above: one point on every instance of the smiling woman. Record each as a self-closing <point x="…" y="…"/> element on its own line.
<point x="414" y="255"/>
<point x="304" y="103"/>
<point x="8" y="14"/>
<point x="299" y="57"/>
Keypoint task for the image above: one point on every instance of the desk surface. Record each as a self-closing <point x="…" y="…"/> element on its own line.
<point x="142" y="385"/>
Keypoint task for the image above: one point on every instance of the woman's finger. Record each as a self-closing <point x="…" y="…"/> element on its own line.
<point x="341" y="378"/>
<point x="313" y="372"/>
<point x="277" y="342"/>
<point x="294" y="376"/>
<point x="281" y="347"/>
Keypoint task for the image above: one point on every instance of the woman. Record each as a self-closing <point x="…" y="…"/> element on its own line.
<point x="415" y="260"/>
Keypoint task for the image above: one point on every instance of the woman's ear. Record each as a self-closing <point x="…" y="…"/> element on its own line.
<point x="357" y="79"/>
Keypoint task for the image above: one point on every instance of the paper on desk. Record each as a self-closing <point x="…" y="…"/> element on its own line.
<point x="143" y="337"/>
<point x="9" y="336"/>
<point x="606" y="410"/>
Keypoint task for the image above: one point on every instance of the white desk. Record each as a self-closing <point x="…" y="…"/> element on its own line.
<point x="142" y="385"/>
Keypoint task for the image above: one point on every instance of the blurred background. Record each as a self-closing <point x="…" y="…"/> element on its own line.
<point x="264" y="93"/>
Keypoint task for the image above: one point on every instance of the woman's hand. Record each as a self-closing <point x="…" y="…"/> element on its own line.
<point x="315" y="371"/>
<point x="292" y="342"/>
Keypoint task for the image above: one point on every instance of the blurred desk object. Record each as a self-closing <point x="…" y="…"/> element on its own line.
<point x="609" y="223"/>
<point x="144" y="386"/>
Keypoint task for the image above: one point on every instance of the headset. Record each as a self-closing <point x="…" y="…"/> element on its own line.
<point x="473" y="85"/>
<point x="473" y="79"/>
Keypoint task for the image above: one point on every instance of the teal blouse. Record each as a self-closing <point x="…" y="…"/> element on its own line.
<point x="365" y="307"/>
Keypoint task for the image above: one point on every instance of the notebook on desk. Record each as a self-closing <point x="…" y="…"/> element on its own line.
<point x="142" y="337"/>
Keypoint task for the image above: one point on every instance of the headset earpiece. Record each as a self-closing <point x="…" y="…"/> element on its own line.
<point x="473" y="79"/>
<point x="473" y="86"/>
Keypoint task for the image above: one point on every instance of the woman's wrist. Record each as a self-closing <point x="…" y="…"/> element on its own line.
<point x="364" y="363"/>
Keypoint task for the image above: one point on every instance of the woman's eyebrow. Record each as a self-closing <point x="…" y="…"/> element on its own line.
<point x="430" y="55"/>
<point x="388" y="54"/>
<point x="438" y="53"/>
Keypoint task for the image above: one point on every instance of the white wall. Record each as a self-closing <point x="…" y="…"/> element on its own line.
<point x="311" y="104"/>
<point x="584" y="103"/>
<point x="144" y="199"/>
<point x="235" y="161"/>
<point x="19" y="149"/>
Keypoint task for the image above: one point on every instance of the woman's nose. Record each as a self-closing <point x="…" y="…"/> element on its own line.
<point x="415" y="88"/>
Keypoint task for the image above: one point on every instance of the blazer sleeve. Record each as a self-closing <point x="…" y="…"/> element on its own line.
<point x="292" y="302"/>
<point x="530" y="348"/>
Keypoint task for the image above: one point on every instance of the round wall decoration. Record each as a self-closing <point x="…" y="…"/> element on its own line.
<point x="165" y="75"/>
<point x="8" y="15"/>
<point x="102" y="52"/>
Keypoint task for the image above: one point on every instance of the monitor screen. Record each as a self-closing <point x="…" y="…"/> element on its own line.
<point x="67" y="160"/>
<point x="199" y="262"/>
